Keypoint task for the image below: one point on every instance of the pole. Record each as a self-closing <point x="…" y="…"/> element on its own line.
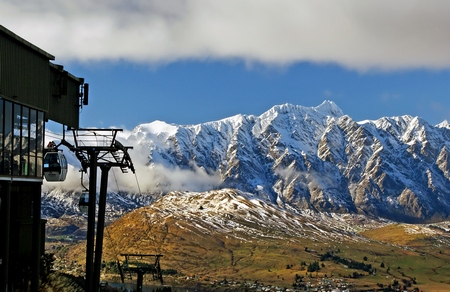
<point x="36" y="238"/>
<point x="6" y="209"/>
<point x="91" y="220"/>
<point x="100" y="225"/>
<point x="140" y="280"/>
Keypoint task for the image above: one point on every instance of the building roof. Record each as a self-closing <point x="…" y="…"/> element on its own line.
<point x="7" y="32"/>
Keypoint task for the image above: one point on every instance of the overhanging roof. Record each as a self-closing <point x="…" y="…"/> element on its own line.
<point x="12" y="35"/>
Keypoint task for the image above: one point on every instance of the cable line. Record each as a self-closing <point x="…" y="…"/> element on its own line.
<point x="137" y="182"/>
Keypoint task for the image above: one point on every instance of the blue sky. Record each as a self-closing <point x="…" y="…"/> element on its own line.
<point x="191" y="92"/>
<point x="192" y="61"/>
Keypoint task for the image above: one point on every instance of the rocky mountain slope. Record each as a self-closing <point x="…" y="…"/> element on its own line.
<point x="296" y="157"/>
<point x="313" y="158"/>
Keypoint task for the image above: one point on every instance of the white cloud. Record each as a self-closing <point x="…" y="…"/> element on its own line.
<point x="146" y="179"/>
<point x="388" y="97"/>
<point x="357" y="34"/>
<point x="158" y="178"/>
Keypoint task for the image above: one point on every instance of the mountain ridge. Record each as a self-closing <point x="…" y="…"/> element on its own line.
<point x="318" y="158"/>
<point x="257" y="198"/>
<point x="301" y="157"/>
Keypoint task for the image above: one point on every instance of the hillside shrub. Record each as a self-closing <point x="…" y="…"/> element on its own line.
<point x="351" y="264"/>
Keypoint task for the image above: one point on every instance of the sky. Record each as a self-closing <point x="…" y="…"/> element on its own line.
<point x="192" y="61"/>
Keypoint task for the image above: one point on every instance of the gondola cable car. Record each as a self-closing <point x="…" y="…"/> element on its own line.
<point x="55" y="164"/>
<point x="83" y="203"/>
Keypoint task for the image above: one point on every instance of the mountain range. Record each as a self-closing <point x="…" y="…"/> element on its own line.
<point x="299" y="158"/>
<point x="245" y="196"/>
<point x="314" y="158"/>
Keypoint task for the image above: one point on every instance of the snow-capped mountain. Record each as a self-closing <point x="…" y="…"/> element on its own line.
<point x="299" y="158"/>
<point x="312" y="158"/>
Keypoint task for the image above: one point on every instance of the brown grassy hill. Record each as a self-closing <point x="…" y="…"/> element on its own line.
<point x="226" y="234"/>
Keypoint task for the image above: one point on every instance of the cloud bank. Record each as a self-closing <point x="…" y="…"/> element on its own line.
<point x="147" y="179"/>
<point x="356" y="34"/>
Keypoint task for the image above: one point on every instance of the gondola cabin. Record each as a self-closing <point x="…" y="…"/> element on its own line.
<point x="83" y="204"/>
<point x="55" y="166"/>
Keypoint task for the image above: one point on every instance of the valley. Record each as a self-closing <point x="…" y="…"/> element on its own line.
<point x="228" y="235"/>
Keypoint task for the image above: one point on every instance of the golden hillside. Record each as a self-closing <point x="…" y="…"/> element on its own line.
<point x="224" y="234"/>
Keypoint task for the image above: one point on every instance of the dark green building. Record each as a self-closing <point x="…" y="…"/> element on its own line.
<point x="33" y="90"/>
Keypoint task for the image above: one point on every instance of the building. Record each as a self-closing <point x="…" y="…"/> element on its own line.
<point x="33" y="90"/>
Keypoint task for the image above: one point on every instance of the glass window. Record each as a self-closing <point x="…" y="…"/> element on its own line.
<point x="21" y="140"/>
<point x="25" y="138"/>
<point x="33" y="142"/>
<point x="7" y="138"/>
<point x="40" y="143"/>
<point x="16" y="139"/>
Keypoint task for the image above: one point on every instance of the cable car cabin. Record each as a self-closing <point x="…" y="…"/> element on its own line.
<point x="55" y="166"/>
<point x="83" y="203"/>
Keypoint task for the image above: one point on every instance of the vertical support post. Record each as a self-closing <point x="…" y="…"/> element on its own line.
<point x="91" y="220"/>
<point x="140" y="280"/>
<point x="100" y="224"/>
<point x="36" y="239"/>
<point x="6" y="210"/>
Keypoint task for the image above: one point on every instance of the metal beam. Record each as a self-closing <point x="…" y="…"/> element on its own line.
<point x="91" y="221"/>
<point x="100" y="224"/>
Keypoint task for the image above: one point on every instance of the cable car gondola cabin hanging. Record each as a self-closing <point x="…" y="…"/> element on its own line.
<point x="83" y="203"/>
<point x="55" y="166"/>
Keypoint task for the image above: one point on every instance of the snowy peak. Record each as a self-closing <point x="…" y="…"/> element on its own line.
<point x="329" y="108"/>
<point x="444" y="124"/>
<point x="326" y="109"/>
<point x="317" y="158"/>
<point x="305" y="158"/>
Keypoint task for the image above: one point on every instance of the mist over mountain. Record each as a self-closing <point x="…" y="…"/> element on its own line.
<point x="300" y="158"/>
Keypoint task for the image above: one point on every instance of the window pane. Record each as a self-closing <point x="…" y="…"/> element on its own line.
<point x="33" y="132"/>
<point x="32" y="143"/>
<point x="32" y="166"/>
<point x="17" y="118"/>
<point x="40" y="143"/>
<point x="24" y="165"/>
<point x="25" y="132"/>
<point x="7" y="138"/>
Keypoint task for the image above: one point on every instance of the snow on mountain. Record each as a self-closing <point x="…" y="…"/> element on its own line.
<point x="304" y="158"/>
<point x="243" y="216"/>
<point x="60" y="203"/>
<point x="444" y="124"/>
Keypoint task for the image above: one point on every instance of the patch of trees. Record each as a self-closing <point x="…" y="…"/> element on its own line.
<point x="169" y="271"/>
<point x="351" y="264"/>
<point x="299" y="284"/>
<point x="313" y="267"/>
<point x="396" y="286"/>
